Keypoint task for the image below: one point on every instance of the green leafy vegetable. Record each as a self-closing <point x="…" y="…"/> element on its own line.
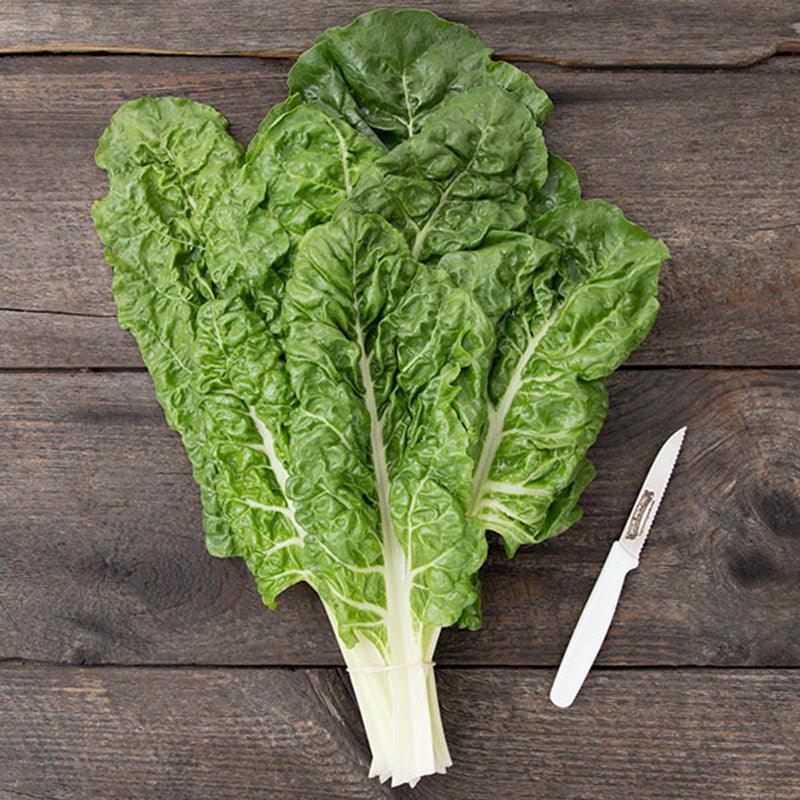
<point x="471" y="169"/>
<point x="198" y="232"/>
<point x="381" y="331"/>
<point x="387" y="71"/>
<point x="582" y="316"/>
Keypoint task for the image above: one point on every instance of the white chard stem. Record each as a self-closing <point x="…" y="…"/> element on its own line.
<point x="400" y="709"/>
<point x="395" y="689"/>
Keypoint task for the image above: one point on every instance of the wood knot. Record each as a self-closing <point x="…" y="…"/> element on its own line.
<point x="780" y="512"/>
<point x="751" y="567"/>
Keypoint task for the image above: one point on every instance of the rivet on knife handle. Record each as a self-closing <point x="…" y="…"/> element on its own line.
<point x="595" y="619"/>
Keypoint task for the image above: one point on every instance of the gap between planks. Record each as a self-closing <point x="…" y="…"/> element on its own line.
<point x="622" y="368"/>
<point x="15" y="663"/>
<point x="787" y="48"/>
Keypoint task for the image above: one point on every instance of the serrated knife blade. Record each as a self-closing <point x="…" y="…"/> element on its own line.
<point x="595" y="619"/>
<point x="634" y="534"/>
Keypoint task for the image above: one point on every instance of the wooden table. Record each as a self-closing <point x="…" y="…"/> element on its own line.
<point x="136" y="666"/>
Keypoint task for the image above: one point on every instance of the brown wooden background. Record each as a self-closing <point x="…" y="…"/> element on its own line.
<point x="133" y="665"/>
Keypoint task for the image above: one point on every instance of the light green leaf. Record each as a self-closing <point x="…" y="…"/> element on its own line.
<point x="376" y="343"/>
<point x="586" y="312"/>
<point x="560" y="187"/>
<point x="307" y="162"/>
<point x="245" y="407"/>
<point x="168" y="161"/>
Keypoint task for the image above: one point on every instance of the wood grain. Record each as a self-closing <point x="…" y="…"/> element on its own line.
<point x="704" y="160"/>
<point x="102" y="561"/>
<point x="586" y="32"/>
<point x="239" y="734"/>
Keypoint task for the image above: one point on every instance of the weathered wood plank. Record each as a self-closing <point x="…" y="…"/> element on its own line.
<point x="587" y="32"/>
<point x="715" y="177"/>
<point x="102" y="561"/>
<point x="198" y="733"/>
<point x="55" y="338"/>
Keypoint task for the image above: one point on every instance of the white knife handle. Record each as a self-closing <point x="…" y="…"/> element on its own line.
<point x="592" y="627"/>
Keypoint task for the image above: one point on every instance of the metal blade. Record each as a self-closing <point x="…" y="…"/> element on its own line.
<point x="644" y="509"/>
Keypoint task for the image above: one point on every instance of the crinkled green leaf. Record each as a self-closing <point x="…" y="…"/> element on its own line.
<point x="501" y="272"/>
<point x="246" y="406"/>
<point x="560" y="187"/>
<point x="168" y="163"/>
<point x="376" y="343"/>
<point x="586" y="311"/>
<point x="192" y="226"/>
<point x="307" y="162"/>
<point x="387" y="71"/>
<point x="477" y="160"/>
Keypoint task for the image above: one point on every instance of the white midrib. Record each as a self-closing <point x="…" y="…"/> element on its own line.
<point x="422" y="234"/>
<point x="497" y="417"/>
<point x="279" y="470"/>
<point x="412" y="743"/>
<point x="410" y="116"/>
<point x="343" y="155"/>
<point x="397" y="572"/>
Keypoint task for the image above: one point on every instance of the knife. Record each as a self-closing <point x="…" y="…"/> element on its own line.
<point x="595" y="619"/>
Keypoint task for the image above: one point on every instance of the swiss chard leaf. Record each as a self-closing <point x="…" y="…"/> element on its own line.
<point x="387" y="71"/>
<point x="196" y="230"/>
<point x="306" y="162"/>
<point x="169" y="162"/>
<point x="560" y="187"/>
<point x="585" y="313"/>
<point x="375" y="348"/>
<point x="471" y="169"/>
